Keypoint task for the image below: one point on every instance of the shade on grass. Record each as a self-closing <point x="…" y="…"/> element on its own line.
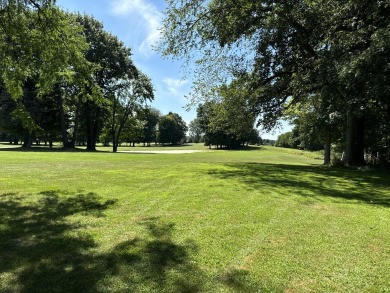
<point x="260" y="220"/>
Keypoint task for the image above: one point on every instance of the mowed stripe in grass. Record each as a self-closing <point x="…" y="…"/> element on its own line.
<point x="260" y="220"/>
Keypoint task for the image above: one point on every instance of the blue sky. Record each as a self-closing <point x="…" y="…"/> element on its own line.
<point x="136" y="23"/>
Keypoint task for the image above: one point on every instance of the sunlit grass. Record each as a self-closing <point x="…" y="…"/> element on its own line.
<point x="260" y="220"/>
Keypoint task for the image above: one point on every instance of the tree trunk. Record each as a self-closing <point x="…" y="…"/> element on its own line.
<point x="328" y="139"/>
<point x="64" y="134"/>
<point x="92" y="128"/>
<point x="76" y="123"/>
<point x="27" y="140"/>
<point x="354" y="147"/>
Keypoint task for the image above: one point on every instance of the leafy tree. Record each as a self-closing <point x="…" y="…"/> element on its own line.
<point x="172" y="129"/>
<point x="285" y="140"/>
<point x="317" y="123"/>
<point x="133" y="130"/>
<point x="114" y="71"/>
<point x="42" y="45"/>
<point x="128" y="99"/>
<point x="195" y="131"/>
<point x="8" y="123"/>
<point x="228" y="122"/>
<point x="150" y="117"/>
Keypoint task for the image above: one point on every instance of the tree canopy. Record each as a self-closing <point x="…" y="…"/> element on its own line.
<point x="279" y="53"/>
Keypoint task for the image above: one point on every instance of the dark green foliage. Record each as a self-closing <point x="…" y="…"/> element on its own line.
<point x="226" y="124"/>
<point x="150" y="117"/>
<point x="172" y="129"/>
<point x="195" y="131"/>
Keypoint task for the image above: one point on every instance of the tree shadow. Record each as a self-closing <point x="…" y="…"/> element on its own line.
<point x="156" y="263"/>
<point x="240" y="280"/>
<point x="239" y="148"/>
<point x="41" y="250"/>
<point x="47" y="149"/>
<point x="315" y="182"/>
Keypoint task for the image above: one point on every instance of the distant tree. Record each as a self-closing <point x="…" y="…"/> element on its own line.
<point x="172" y="129"/>
<point x="254" y="137"/>
<point x="285" y="140"/>
<point x="195" y="131"/>
<point x="227" y="123"/>
<point x="132" y="131"/>
<point x="150" y="117"/>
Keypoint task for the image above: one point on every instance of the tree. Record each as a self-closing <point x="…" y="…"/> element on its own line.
<point x="128" y="100"/>
<point x="172" y="129"/>
<point x="284" y="52"/>
<point x="133" y="130"/>
<point x="150" y="117"/>
<point x="317" y="121"/>
<point x="43" y="46"/>
<point x="285" y="140"/>
<point x="114" y="71"/>
<point x="195" y="131"/>
<point x="227" y="122"/>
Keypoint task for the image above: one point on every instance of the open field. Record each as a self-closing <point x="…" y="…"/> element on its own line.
<point x="257" y="220"/>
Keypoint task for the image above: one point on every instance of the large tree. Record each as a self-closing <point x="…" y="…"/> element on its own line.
<point x="39" y="43"/>
<point x="284" y="52"/>
<point x="114" y="70"/>
<point x="129" y="99"/>
<point x="42" y="49"/>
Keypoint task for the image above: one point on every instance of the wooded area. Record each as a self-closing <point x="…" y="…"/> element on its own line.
<point x="63" y="77"/>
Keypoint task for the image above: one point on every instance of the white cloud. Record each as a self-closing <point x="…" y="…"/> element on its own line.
<point x="150" y="15"/>
<point x="175" y="86"/>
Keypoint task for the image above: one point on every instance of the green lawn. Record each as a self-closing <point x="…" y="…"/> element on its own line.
<point x="258" y="220"/>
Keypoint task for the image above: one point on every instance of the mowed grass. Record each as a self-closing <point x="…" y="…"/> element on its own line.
<point x="257" y="220"/>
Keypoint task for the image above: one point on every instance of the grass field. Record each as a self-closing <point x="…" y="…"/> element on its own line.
<point x="257" y="220"/>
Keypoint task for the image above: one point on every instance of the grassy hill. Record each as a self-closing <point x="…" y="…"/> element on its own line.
<point x="256" y="220"/>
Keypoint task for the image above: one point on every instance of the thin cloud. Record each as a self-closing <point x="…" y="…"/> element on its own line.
<point x="175" y="86"/>
<point x="151" y="18"/>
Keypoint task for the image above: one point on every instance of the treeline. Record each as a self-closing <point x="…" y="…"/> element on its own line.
<point x="63" y="77"/>
<point x="313" y="131"/>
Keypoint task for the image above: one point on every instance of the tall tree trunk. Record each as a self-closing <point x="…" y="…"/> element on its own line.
<point x="328" y="140"/>
<point x="359" y="131"/>
<point x="76" y="123"/>
<point x="354" y="147"/>
<point x="92" y="126"/>
<point x="64" y="133"/>
<point x="27" y="140"/>
<point x="114" y="147"/>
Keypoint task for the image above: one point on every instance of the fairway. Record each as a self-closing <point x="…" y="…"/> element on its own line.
<point x="256" y="220"/>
